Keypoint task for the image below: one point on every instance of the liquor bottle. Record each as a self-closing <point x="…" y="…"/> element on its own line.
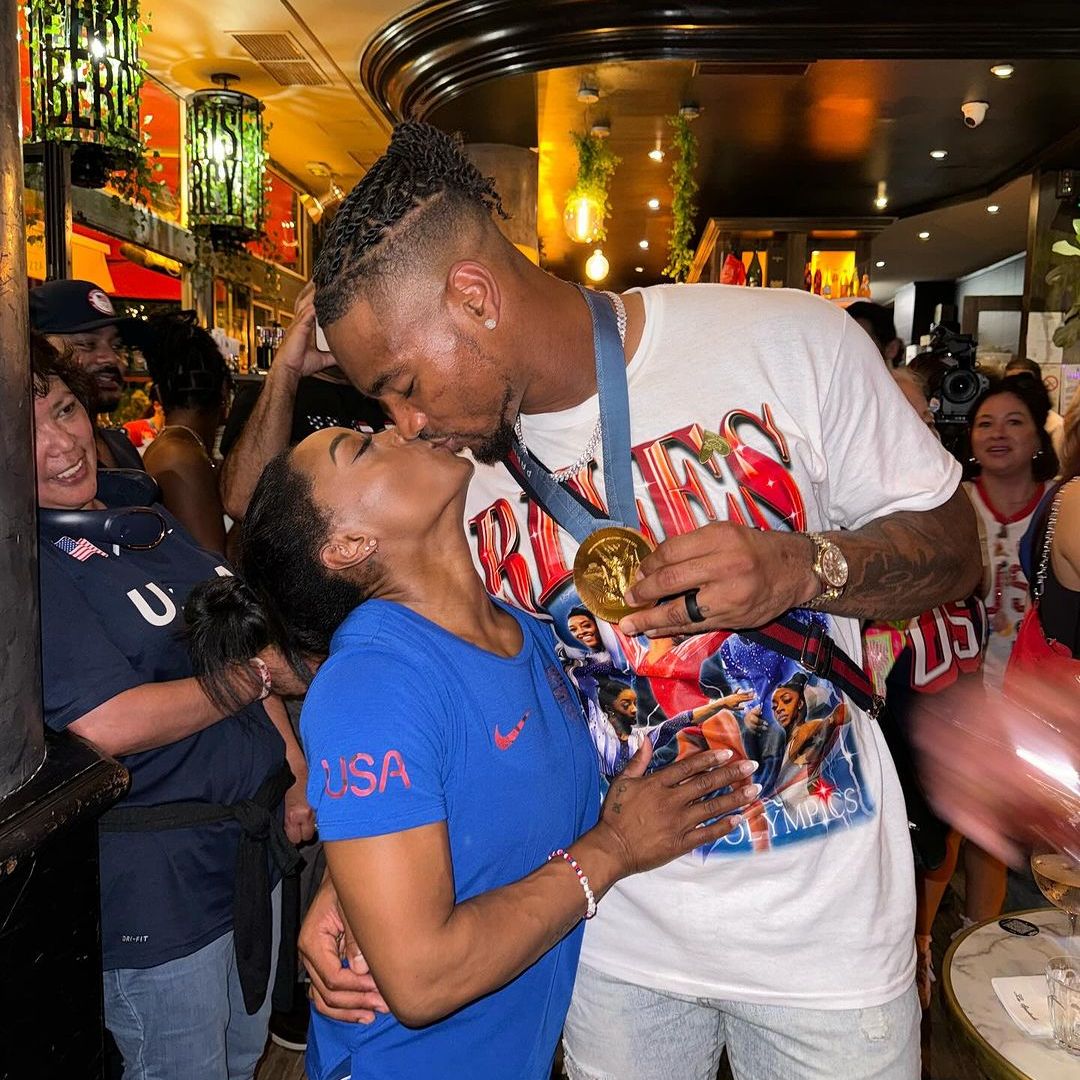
<point x="732" y="271"/>
<point x="864" y="288"/>
<point x="817" y="282"/>
<point x="827" y="289"/>
<point x="808" y="279"/>
<point x="754" y="276"/>
<point x="854" y="289"/>
<point x="843" y="293"/>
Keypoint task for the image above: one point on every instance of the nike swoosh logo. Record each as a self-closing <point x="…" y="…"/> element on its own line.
<point x="504" y="742"/>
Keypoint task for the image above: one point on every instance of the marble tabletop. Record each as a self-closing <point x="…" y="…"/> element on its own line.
<point x="987" y="952"/>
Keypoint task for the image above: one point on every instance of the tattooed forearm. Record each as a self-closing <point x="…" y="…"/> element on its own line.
<point x="908" y="562"/>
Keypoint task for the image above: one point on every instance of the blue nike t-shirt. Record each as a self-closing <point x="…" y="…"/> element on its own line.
<point x="111" y="620"/>
<point x="407" y="725"/>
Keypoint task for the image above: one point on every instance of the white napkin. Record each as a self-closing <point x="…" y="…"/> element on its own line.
<point x="1025" y="1000"/>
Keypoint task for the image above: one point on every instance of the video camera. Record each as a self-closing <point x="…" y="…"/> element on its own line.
<point x="948" y="367"/>
<point x="961" y="384"/>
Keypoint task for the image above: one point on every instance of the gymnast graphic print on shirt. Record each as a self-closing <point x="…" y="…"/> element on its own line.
<point x="705" y="691"/>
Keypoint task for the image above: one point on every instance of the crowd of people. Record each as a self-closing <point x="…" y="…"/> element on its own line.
<point x="385" y="533"/>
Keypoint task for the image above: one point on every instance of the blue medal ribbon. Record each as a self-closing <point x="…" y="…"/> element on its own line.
<point x="573" y="512"/>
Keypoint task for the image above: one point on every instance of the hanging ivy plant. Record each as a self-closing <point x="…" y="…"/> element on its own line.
<point x="684" y="188"/>
<point x="1064" y="278"/>
<point x="587" y="206"/>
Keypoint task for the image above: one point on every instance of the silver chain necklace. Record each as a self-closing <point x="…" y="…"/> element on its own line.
<point x="560" y="476"/>
<point x="194" y="434"/>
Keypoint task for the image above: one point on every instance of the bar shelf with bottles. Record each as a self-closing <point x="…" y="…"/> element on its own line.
<point x="831" y="258"/>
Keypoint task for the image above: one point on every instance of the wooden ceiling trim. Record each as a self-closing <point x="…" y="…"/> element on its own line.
<point x="433" y="52"/>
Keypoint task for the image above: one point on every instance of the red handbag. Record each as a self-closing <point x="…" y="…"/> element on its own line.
<point x="1033" y="654"/>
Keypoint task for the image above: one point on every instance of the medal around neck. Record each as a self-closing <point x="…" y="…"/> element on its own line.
<point x="604" y="569"/>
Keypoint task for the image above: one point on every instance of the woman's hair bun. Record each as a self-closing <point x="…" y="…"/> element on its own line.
<point x="226" y="625"/>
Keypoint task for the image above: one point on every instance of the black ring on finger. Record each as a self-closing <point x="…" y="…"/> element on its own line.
<point x="693" y="612"/>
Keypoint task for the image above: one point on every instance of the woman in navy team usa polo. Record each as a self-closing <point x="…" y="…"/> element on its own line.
<point x="189" y="856"/>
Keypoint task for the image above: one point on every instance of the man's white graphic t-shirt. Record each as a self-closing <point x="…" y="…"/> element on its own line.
<point x="810" y="902"/>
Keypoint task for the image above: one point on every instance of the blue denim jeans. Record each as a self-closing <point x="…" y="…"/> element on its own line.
<point x="186" y="1019"/>
<point x="619" y="1031"/>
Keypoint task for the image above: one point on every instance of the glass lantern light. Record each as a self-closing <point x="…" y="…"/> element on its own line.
<point x="226" y="153"/>
<point x="584" y="219"/>
<point x="85" y="79"/>
<point x="596" y="266"/>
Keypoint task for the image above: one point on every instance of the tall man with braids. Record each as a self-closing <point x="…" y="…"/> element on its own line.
<point x="750" y="454"/>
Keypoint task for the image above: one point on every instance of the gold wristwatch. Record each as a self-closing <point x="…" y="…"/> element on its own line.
<point x="831" y="569"/>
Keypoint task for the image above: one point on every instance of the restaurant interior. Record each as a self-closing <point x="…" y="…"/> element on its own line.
<point x="925" y="157"/>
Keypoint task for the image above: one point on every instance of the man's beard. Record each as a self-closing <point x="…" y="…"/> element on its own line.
<point x="493" y="448"/>
<point x="105" y="401"/>
<point x="496" y="446"/>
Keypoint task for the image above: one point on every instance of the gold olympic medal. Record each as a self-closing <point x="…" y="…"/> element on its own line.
<point x="604" y="569"/>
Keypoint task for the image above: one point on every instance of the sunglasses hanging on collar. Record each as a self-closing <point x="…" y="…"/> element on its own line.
<point x="136" y="526"/>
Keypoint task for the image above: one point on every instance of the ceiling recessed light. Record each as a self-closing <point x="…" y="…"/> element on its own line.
<point x="1002" y="71"/>
<point x="654" y="204"/>
<point x="924" y="235"/>
<point x="639" y="269"/>
<point x="993" y="208"/>
<point x="657" y="154"/>
<point x="939" y="155"/>
<point x="880" y="264"/>
<point x="643" y="244"/>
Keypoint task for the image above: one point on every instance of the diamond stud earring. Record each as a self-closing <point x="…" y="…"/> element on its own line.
<point x="490" y="324"/>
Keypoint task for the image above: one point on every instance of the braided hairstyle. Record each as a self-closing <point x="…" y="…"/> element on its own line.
<point x="413" y="200"/>
<point x="184" y="361"/>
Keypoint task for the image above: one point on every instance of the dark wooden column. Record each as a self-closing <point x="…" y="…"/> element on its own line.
<point x="51" y="790"/>
<point x="22" y="743"/>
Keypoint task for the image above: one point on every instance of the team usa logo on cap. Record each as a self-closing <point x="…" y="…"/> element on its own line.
<point x="100" y="302"/>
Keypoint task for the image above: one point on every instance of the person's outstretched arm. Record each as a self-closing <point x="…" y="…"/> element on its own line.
<point x="267" y="430"/>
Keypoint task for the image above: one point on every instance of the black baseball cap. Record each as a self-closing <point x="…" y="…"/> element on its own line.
<point x="71" y="307"/>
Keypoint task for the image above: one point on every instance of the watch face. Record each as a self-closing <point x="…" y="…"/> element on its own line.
<point x="834" y="567"/>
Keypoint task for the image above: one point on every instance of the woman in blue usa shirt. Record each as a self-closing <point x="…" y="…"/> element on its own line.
<point x="448" y="759"/>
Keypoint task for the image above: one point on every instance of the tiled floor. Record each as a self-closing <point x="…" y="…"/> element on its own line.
<point x="945" y="1057"/>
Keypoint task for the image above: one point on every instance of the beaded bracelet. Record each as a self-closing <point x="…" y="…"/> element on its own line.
<point x="590" y="899"/>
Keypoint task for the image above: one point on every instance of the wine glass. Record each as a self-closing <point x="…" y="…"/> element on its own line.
<point x="1057" y="874"/>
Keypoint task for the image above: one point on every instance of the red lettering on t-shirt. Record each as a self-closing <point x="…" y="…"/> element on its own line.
<point x="671" y="493"/>
<point x="497" y="539"/>
<point x="393" y="768"/>
<point x="362" y="774"/>
<point x="761" y="478"/>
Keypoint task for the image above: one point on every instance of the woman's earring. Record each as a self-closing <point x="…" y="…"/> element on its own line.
<point x="490" y="324"/>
